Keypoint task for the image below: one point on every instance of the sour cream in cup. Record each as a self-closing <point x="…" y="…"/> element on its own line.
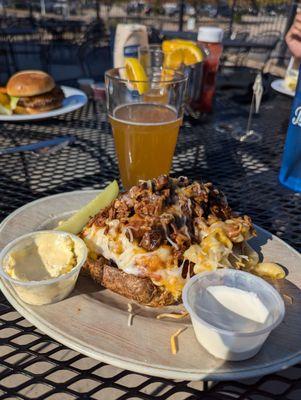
<point x="232" y="312"/>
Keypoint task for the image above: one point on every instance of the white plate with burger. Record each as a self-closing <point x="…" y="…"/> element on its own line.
<point x="138" y="322"/>
<point x="33" y="95"/>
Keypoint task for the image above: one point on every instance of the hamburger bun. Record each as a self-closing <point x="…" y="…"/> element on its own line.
<point x="29" y="83"/>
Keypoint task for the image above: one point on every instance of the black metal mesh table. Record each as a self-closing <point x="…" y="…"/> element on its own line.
<point x="32" y="365"/>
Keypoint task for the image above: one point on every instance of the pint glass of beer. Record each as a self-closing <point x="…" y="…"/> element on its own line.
<point x="145" y="116"/>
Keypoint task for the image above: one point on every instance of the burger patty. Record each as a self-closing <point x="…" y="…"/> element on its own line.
<point x="56" y="95"/>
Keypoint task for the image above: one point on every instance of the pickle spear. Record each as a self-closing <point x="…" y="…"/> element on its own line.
<point x="78" y="220"/>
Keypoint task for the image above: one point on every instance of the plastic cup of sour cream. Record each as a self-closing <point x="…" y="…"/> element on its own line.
<point x="232" y="312"/>
<point x="37" y="281"/>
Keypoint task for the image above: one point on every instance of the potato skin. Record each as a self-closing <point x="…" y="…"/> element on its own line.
<point x="141" y="290"/>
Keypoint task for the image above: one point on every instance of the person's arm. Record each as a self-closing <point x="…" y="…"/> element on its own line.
<point x="293" y="37"/>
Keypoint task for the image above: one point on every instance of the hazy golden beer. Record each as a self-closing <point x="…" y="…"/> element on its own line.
<point x="145" y="137"/>
<point x="145" y="116"/>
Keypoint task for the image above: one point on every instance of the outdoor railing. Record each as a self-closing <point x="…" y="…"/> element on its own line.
<point x="36" y="30"/>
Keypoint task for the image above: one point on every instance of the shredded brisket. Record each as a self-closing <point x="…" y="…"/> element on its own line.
<point x="165" y="211"/>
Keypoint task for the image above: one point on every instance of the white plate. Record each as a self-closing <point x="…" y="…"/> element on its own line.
<point x="74" y="99"/>
<point x="93" y="320"/>
<point x="279" y="86"/>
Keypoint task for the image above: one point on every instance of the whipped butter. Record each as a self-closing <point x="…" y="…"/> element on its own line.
<point x="47" y="256"/>
<point x="43" y="267"/>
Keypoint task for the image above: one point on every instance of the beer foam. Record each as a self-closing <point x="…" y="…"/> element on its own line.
<point x="165" y="108"/>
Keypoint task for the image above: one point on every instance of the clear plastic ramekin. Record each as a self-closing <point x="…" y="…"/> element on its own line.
<point x="49" y="290"/>
<point x="227" y="344"/>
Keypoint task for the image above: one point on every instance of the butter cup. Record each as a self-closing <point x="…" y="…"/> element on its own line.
<point x="49" y="290"/>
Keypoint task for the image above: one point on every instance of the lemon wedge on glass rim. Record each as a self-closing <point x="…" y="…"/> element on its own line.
<point x="192" y="54"/>
<point x="134" y="71"/>
<point x="168" y="45"/>
<point x="173" y="59"/>
<point x="178" y="52"/>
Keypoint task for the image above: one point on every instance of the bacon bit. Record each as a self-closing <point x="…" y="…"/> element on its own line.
<point x="289" y="298"/>
<point x="173" y="340"/>
<point x="172" y="315"/>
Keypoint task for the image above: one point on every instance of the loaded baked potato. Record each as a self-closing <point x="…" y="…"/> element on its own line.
<point x="151" y="239"/>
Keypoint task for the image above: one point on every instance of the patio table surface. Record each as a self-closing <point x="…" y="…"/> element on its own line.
<point x="32" y="365"/>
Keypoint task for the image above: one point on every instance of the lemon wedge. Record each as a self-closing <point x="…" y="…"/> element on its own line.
<point x="174" y="59"/>
<point x="178" y="52"/>
<point x="169" y="45"/>
<point x="192" y="54"/>
<point x="135" y="72"/>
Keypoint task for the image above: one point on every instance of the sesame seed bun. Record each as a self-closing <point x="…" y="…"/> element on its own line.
<point x="29" y="83"/>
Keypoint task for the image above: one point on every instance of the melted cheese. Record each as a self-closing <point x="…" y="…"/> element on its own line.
<point x="114" y="247"/>
<point x="160" y="265"/>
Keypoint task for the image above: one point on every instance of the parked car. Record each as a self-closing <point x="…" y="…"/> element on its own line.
<point x="171" y="9"/>
<point x="135" y="7"/>
<point x="150" y="9"/>
<point x="190" y="10"/>
<point x="224" y="11"/>
<point x="207" y="10"/>
<point x="275" y="9"/>
<point x="252" y="10"/>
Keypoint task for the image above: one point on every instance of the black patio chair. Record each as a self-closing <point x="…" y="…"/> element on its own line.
<point x="265" y="42"/>
<point x="95" y="59"/>
<point x="62" y="61"/>
<point x="23" y="43"/>
<point x="96" y="32"/>
<point x="245" y="46"/>
<point x="21" y="29"/>
<point x="260" y="47"/>
<point x="6" y="69"/>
